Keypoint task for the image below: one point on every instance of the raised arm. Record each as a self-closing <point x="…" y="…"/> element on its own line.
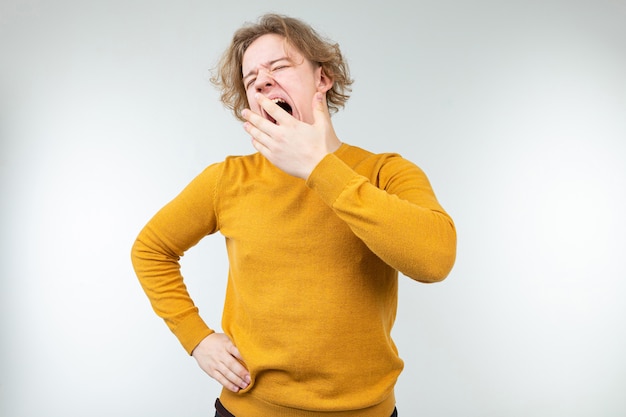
<point x="389" y="204"/>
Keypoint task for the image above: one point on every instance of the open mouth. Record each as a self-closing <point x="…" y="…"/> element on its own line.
<point x="283" y="105"/>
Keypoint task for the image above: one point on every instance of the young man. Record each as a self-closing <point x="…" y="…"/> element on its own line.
<point x="316" y="231"/>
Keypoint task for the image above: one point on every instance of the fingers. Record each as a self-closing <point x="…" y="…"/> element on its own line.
<point x="294" y="146"/>
<point x="319" y="107"/>
<point x="321" y="114"/>
<point x="231" y="374"/>
<point x="235" y="352"/>
<point x="259" y="138"/>
<point x="222" y="361"/>
<point x="259" y="129"/>
<point x="273" y="109"/>
<point x="258" y="121"/>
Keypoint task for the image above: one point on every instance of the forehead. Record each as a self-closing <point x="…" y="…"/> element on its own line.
<point x="265" y="49"/>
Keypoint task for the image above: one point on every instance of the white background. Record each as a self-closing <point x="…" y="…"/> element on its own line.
<point x="516" y="111"/>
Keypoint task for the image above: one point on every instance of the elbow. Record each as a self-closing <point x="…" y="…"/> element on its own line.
<point x="141" y="256"/>
<point x="437" y="273"/>
<point x="438" y="270"/>
<point x="433" y="274"/>
<point x="431" y="267"/>
<point x="436" y="263"/>
<point x="135" y="252"/>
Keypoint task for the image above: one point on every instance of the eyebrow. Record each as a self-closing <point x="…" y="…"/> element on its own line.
<point x="267" y="64"/>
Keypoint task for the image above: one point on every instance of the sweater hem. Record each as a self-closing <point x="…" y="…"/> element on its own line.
<point x="246" y="405"/>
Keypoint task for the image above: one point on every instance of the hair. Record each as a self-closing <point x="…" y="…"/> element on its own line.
<point x="227" y="76"/>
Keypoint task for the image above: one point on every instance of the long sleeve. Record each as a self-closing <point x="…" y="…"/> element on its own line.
<point x="312" y="282"/>
<point x="395" y="213"/>
<point x="158" y="248"/>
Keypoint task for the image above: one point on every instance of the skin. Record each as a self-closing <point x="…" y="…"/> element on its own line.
<point x="294" y="143"/>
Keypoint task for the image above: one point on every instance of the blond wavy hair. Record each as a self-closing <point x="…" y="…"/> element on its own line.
<point x="227" y="75"/>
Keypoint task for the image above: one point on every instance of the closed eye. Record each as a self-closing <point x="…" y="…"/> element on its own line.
<point x="271" y="71"/>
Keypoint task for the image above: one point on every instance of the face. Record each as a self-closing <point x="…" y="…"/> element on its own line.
<point x="277" y="70"/>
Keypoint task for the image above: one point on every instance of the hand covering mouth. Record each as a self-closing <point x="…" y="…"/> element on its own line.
<point x="283" y="105"/>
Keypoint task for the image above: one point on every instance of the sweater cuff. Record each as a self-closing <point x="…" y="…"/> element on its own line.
<point x="191" y="331"/>
<point x="330" y="177"/>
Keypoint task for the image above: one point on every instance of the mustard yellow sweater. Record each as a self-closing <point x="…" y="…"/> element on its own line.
<point x="312" y="287"/>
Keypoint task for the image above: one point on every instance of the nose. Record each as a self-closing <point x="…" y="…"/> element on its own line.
<point x="263" y="80"/>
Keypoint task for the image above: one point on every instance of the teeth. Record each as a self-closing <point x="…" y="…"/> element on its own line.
<point x="283" y="105"/>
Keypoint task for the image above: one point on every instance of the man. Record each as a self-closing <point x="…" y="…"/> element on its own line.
<point x="316" y="232"/>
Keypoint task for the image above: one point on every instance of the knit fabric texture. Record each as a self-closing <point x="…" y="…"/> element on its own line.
<point x="313" y="274"/>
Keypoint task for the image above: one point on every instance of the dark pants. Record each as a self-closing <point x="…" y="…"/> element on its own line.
<point x="220" y="411"/>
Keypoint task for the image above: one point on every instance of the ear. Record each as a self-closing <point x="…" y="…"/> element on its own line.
<point x="324" y="82"/>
